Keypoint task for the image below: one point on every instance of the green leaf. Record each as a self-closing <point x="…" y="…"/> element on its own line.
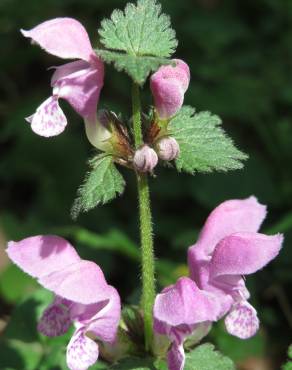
<point x="140" y="30"/>
<point x="55" y="358"/>
<point x="22" y="284"/>
<point x="23" y="347"/>
<point x="16" y="355"/>
<point x="142" y="38"/>
<point x="101" y="185"/>
<point x="22" y="325"/>
<point x="235" y="349"/>
<point x="160" y="365"/>
<point x="288" y="365"/>
<point x="204" y="147"/>
<point x="20" y="346"/>
<point x="290" y="351"/>
<point x="205" y="358"/>
<point x="114" y="240"/>
<point x="137" y="67"/>
<point x="100" y="365"/>
<point x="283" y="225"/>
<point x="135" y="363"/>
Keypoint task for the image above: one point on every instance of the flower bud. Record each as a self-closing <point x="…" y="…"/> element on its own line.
<point x="167" y="148"/>
<point x="168" y="86"/>
<point x="98" y="131"/>
<point x="145" y="159"/>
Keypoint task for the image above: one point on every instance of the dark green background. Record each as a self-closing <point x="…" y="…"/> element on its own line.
<point x="240" y="55"/>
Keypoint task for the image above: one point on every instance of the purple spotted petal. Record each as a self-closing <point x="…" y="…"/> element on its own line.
<point x="82" y="352"/>
<point x="176" y="357"/>
<point x="55" y="319"/>
<point x="63" y="37"/>
<point x="242" y="321"/>
<point x="49" y="119"/>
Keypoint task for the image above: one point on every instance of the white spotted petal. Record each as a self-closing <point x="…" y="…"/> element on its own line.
<point x="82" y="351"/>
<point x="49" y="119"/>
<point x="242" y="321"/>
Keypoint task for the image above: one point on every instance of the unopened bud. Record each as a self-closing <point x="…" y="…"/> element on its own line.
<point x="98" y="131"/>
<point x="167" y="148"/>
<point x="145" y="159"/>
<point x="168" y="86"/>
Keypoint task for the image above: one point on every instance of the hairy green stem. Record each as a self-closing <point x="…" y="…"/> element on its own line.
<point x="148" y="281"/>
<point x="137" y="124"/>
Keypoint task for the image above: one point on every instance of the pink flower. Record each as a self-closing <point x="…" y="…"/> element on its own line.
<point x="82" y="295"/>
<point x="78" y="82"/>
<point x="228" y="248"/>
<point x="179" y="310"/>
<point x="168" y="86"/>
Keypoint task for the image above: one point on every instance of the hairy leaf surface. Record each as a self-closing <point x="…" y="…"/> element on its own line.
<point x="101" y="185"/>
<point x="204" y="146"/>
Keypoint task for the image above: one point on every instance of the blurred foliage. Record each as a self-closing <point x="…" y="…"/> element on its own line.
<point x="288" y="365"/>
<point x="240" y="56"/>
